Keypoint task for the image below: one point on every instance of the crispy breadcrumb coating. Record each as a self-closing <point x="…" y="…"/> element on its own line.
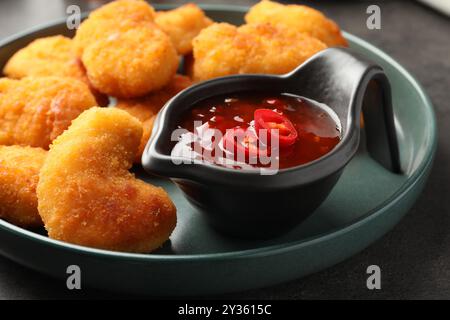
<point x="50" y="56"/>
<point x="132" y="63"/>
<point x="182" y="25"/>
<point x="34" y="111"/>
<point x="19" y="175"/>
<point x="111" y="18"/>
<point x="124" y="52"/>
<point x="146" y="108"/>
<point x="223" y="49"/>
<point x="88" y="197"/>
<point x="299" y="18"/>
<point x="147" y="126"/>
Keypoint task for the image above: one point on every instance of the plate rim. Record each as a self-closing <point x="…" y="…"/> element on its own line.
<point x="265" y="250"/>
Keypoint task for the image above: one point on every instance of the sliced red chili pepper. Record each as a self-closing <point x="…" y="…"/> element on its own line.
<point x="271" y="120"/>
<point x="241" y="141"/>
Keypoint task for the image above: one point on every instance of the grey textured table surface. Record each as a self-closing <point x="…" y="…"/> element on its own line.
<point x="415" y="255"/>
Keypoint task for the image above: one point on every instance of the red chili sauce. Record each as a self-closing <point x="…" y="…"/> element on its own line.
<point x="305" y="130"/>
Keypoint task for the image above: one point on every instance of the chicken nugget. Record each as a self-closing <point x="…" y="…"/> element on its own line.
<point x="146" y="108"/>
<point x="50" y="56"/>
<point x="131" y="63"/>
<point x="114" y="17"/>
<point x="101" y="204"/>
<point x="182" y="25"/>
<point x="34" y="111"/>
<point x="147" y="126"/>
<point x="19" y="175"/>
<point x="124" y="51"/>
<point x="223" y="49"/>
<point x="299" y="18"/>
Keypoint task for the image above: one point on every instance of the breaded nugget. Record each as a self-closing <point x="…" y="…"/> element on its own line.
<point x="182" y="25"/>
<point x="299" y="18"/>
<point x="50" y="56"/>
<point x="124" y="51"/>
<point x="131" y="63"/>
<point x="223" y="49"/>
<point x="19" y="175"/>
<point x="146" y="108"/>
<point x="135" y="10"/>
<point x="88" y="197"/>
<point x="114" y="17"/>
<point x="147" y="126"/>
<point x="34" y="111"/>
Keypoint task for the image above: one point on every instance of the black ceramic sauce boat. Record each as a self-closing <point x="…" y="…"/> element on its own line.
<point x="247" y="204"/>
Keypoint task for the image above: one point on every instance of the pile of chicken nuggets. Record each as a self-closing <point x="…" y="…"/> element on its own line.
<point x="76" y="113"/>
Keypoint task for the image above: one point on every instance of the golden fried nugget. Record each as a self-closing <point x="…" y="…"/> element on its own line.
<point x="147" y="126"/>
<point x="146" y="108"/>
<point x="114" y="17"/>
<point x="124" y="51"/>
<point x="34" y="111"/>
<point x="182" y="25"/>
<point x="223" y="49"/>
<point x="299" y="18"/>
<point x="86" y="194"/>
<point x="19" y="175"/>
<point x="135" y="10"/>
<point x="132" y="63"/>
<point x="50" y="56"/>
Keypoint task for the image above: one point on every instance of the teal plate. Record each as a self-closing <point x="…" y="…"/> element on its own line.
<point x="366" y="203"/>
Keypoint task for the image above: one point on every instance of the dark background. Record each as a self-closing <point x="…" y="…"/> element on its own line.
<point x="415" y="256"/>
